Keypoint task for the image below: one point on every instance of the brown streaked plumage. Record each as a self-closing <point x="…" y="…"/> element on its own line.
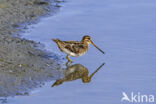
<point x="75" y="48"/>
<point x="74" y="72"/>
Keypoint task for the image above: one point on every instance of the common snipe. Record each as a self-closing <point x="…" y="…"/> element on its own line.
<point x="74" y="72"/>
<point x="75" y="48"/>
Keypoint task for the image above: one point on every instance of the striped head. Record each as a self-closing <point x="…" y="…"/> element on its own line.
<point x="87" y="39"/>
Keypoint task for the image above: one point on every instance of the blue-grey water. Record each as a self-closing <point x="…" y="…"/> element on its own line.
<point x="124" y="29"/>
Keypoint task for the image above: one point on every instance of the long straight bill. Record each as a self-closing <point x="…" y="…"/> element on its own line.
<point x="96" y="70"/>
<point x="97" y="47"/>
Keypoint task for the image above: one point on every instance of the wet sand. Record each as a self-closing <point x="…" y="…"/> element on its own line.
<point x="23" y="65"/>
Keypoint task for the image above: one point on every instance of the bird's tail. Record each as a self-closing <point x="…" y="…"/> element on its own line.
<point x="58" y="42"/>
<point x="55" y="40"/>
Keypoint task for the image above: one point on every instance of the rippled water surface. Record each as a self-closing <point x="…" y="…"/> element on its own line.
<point x="124" y="29"/>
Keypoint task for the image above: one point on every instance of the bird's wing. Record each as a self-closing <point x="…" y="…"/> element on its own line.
<point x="74" y="46"/>
<point x="69" y="47"/>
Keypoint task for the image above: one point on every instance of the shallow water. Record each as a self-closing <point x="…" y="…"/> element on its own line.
<point x="124" y="29"/>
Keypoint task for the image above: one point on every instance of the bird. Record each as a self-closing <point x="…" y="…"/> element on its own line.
<point x="75" y="48"/>
<point x="74" y="72"/>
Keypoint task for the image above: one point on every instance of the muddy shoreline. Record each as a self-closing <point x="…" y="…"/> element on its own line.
<point x="23" y="65"/>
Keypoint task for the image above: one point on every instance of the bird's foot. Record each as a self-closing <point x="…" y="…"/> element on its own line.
<point x="69" y="60"/>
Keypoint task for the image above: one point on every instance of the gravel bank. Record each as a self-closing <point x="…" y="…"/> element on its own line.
<point x="22" y="65"/>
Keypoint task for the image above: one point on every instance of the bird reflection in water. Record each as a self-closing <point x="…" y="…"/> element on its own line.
<point x="74" y="72"/>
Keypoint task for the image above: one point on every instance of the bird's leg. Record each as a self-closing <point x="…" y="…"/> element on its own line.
<point x="69" y="60"/>
<point x="67" y="64"/>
